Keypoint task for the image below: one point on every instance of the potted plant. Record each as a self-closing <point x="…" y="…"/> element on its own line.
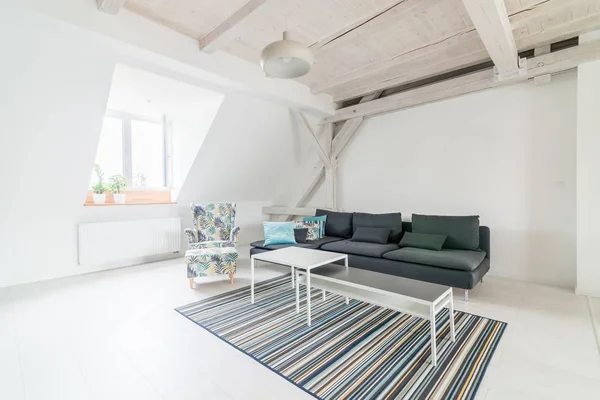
<point x="117" y="184"/>
<point x="99" y="188"/>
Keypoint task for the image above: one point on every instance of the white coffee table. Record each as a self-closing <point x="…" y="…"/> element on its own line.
<point x="297" y="258"/>
<point x="421" y="299"/>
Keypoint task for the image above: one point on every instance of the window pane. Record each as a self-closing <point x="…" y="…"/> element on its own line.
<point x="147" y="154"/>
<point x="110" y="149"/>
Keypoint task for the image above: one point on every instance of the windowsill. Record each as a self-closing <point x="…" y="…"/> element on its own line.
<point x="125" y="204"/>
<point x="134" y="197"/>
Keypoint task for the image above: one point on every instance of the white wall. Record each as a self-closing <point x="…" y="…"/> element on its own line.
<point x="250" y="150"/>
<point x="506" y="154"/>
<point x="55" y="85"/>
<point x="588" y="182"/>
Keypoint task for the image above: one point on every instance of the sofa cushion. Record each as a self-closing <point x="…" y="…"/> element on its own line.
<point x="360" y="248"/>
<point x="371" y="235"/>
<point x="300" y="234"/>
<point x="462" y="232"/>
<point x="391" y="220"/>
<point x="465" y="260"/>
<point x="337" y="224"/>
<point x="279" y="232"/>
<point x="309" y="244"/>
<point x="429" y="241"/>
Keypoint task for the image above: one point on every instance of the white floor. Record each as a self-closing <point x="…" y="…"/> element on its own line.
<point x="114" y="335"/>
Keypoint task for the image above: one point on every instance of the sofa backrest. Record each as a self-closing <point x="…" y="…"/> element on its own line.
<point x="484" y="236"/>
<point x="393" y="221"/>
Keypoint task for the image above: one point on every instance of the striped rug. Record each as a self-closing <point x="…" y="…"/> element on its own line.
<point x="356" y="351"/>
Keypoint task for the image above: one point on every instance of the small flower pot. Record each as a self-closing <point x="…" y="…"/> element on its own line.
<point x="119" y="198"/>
<point x="99" y="198"/>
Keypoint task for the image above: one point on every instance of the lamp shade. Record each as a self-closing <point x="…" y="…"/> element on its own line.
<point x="286" y="59"/>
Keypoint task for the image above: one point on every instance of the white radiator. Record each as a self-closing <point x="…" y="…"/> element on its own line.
<point x="133" y="241"/>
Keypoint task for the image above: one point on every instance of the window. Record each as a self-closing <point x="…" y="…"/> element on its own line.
<point x="134" y="147"/>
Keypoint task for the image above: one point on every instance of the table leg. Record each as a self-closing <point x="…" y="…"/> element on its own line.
<point x="451" y="311"/>
<point x="433" y="347"/>
<point x="346" y="264"/>
<point x="252" y="280"/>
<point x="297" y="292"/>
<point x="308" y="296"/>
<point x="293" y="283"/>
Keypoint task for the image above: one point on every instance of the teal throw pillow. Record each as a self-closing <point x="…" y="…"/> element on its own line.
<point x="279" y="233"/>
<point x="321" y="219"/>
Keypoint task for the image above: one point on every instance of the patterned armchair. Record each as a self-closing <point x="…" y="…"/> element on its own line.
<point x="214" y="226"/>
<point x="211" y="244"/>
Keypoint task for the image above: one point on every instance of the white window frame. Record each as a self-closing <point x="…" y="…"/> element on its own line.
<point x="126" y="119"/>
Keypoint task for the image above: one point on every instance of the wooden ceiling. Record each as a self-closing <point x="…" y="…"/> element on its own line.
<point x="365" y="46"/>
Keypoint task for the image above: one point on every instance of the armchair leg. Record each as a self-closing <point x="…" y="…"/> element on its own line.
<point x="231" y="278"/>
<point x="191" y="283"/>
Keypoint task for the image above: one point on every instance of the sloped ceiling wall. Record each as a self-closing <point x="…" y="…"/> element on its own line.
<point x="248" y="155"/>
<point x="56" y="83"/>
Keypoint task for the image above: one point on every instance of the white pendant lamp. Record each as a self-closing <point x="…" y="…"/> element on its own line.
<point x="286" y="59"/>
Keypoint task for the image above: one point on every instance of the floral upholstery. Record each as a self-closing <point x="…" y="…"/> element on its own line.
<point x="214" y="226"/>
<point x="212" y="241"/>
<point x="211" y="261"/>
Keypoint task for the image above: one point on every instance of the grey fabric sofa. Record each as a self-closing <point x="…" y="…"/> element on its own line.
<point x="454" y="267"/>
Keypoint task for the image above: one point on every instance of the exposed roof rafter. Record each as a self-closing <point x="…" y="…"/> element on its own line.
<point x="540" y="65"/>
<point x="493" y="26"/>
<point x="209" y="42"/>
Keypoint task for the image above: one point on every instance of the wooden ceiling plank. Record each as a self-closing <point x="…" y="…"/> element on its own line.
<point x="541" y="11"/>
<point x="210" y="42"/>
<point x="541" y="65"/>
<point x="564" y="31"/>
<point x="466" y="37"/>
<point x="493" y="26"/>
<point x="414" y="75"/>
<point x="460" y="38"/>
<point x="530" y="40"/>
<point x="355" y="25"/>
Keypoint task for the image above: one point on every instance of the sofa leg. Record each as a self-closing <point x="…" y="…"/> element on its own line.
<point x="231" y="278"/>
<point x="466" y="295"/>
<point x="191" y="283"/>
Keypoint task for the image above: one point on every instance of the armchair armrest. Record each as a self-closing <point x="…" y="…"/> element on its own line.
<point x="234" y="235"/>
<point x="191" y="235"/>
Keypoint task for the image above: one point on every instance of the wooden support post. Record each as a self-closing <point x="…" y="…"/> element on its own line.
<point x="542" y="79"/>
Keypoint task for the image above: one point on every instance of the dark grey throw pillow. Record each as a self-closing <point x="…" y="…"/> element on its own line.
<point x="462" y="232"/>
<point x="390" y="220"/>
<point x="429" y="241"/>
<point x="371" y="235"/>
<point x="300" y="234"/>
<point x="338" y="224"/>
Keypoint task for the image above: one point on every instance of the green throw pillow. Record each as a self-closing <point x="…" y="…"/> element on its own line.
<point x="462" y="231"/>
<point x="429" y="241"/>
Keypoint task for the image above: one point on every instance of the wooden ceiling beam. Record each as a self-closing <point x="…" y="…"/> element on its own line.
<point x="493" y="26"/>
<point x="580" y="22"/>
<point x="210" y="42"/>
<point x="541" y="65"/>
<point x="348" y="86"/>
